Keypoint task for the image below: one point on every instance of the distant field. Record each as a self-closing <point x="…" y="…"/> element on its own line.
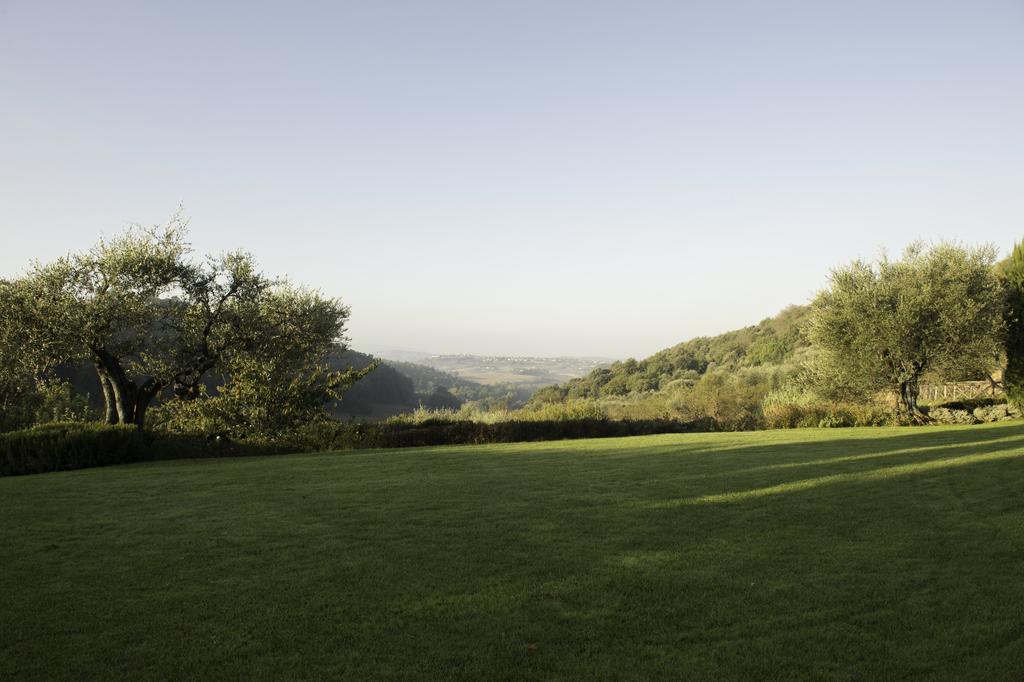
<point x="525" y="371"/>
<point x="842" y="554"/>
<point x="490" y="378"/>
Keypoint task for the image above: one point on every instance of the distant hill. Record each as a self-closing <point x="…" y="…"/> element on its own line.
<point x="430" y="380"/>
<point x="381" y="393"/>
<point x="396" y="387"/>
<point x="772" y="341"/>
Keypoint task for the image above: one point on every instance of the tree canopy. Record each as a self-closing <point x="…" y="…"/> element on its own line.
<point x="882" y="326"/>
<point x="150" y="319"/>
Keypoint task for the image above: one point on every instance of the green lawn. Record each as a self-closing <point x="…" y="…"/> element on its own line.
<point x="844" y="554"/>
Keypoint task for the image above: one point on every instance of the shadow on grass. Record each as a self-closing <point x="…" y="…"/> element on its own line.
<point x="784" y="453"/>
<point x="980" y="454"/>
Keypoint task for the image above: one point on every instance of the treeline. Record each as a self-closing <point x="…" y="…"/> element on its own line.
<point x="855" y="356"/>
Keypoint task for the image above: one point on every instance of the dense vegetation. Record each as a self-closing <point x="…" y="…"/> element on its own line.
<point x="224" y="353"/>
<point x="387" y="389"/>
<point x="70" y="445"/>
<point x="885" y="326"/>
<point x="867" y="553"/>
<point x="382" y="392"/>
<point x="772" y="342"/>
<point x="851" y="358"/>
<point x="1012" y="272"/>
<point x="151" y="319"/>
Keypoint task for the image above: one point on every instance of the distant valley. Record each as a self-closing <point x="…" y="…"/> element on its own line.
<point x="408" y="379"/>
<point x="510" y="369"/>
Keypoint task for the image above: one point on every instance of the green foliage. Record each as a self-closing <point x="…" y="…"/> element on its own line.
<point x="19" y="394"/>
<point x="1012" y="272"/>
<point x="264" y="399"/>
<point x="151" y="320"/>
<point x="882" y="326"/>
<point x="440" y="399"/>
<point x="768" y="349"/>
<point x="70" y="445"/>
<point x="773" y="341"/>
<point x="19" y="402"/>
<point x="58" y="402"/>
<point x="721" y="400"/>
<point x="448" y="428"/>
<point x="381" y="393"/>
<point x="731" y="400"/>
<point x="25" y="401"/>
<point x="790" y="407"/>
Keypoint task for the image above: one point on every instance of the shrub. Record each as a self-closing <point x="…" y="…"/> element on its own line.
<point x="58" y="402"/>
<point x="791" y="408"/>
<point x="945" y="415"/>
<point x="732" y="400"/>
<point x="25" y="401"/>
<point x="67" y="445"/>
<point x="996" y="413"/>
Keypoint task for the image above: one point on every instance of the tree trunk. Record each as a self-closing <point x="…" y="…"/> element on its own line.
<point x="909" y="392"/>
<point x="126" y="402"/>
<point x="109" y="409"/>
<point x="124" y="398"/>
<point x="143" y="397"/>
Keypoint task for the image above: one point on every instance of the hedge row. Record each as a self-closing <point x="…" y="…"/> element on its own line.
<point x="360" y="435"/>
<point x="71" y="445"/>
<point x="77" y="445"/>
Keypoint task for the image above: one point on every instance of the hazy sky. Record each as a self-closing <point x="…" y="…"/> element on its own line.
<point x="604" y="178"/>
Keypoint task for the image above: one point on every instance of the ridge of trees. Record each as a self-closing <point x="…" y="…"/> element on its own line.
<point x="773" y="341"/>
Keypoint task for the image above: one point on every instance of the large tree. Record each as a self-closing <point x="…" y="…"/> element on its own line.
<point x="151" y="319"/>
<point x="884" y="325"/>
<point x="1012" y="272"/>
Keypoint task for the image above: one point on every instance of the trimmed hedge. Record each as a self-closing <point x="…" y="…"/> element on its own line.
<point x="329" y="434"/>
<point x="67" y="445"/>
<point x="360" y="435"/>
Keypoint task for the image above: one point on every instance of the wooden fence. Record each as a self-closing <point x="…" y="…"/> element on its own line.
<point x="960" y="390"/>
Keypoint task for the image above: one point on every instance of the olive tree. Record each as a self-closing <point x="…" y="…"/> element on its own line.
<point x="882" y="326"/>
<point x="150" y="319"/>
<point x="279" y="379"/>
<point x="18" y="390"/>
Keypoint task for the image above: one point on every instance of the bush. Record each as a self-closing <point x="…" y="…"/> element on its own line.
<point x="996" y="413"/>
<point x="790" y="408"/>
<point x="58" y="402"/>
<point x="945" y="415"/>
<point x="67" y="445"/>
<point x="28" y="401"/>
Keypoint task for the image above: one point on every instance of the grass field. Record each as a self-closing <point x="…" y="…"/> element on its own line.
<point x="841" y="554"/>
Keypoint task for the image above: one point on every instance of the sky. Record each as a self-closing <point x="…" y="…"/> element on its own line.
<point x="528" y="178"/>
